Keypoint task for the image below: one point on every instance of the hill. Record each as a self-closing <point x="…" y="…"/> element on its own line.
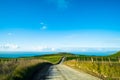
<point x="117" y="54"/>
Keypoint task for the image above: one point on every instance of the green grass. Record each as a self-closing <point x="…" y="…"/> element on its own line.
<point x="25" y="72"/>
<point x="17" y="68"/>
<point x="53" y="58"/>
<point x="22" y="68"/>
<point x="105" y="67"/>
<point x="117" y="54"/>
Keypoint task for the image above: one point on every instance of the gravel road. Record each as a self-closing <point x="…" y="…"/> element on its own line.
<point x="62" y="72"/>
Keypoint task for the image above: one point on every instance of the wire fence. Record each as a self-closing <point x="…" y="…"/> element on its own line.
<point x="107" y="68"/>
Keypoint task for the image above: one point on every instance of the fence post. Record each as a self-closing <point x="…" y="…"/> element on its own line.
<point x="92" y="59"/>
<point x="109" y="60"/>
<point x="119" y="59"/>
<point x="96" y="59"/>
<point x="77" y="62"/>
<point x="16" y="59"/>
<point x="102" y="60"/>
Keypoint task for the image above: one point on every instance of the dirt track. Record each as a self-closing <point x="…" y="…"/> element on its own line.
<point x="62" y="72"/>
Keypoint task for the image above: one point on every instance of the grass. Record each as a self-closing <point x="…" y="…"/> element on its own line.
<point x="104" y="67"/>
<point x="23" y="68"/>
<point x="6" y="68"/>
<point x="18" y="69"/>
<point x="53" y="58"/>
<point x="117" y="54"/>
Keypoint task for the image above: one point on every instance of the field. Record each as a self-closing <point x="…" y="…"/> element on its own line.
<point x="105" y="67"/>
<point x="22" y="68"/>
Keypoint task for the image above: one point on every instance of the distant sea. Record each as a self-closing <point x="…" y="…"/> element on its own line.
<point x="28" y="54"/>
<point x="21" y="54"/>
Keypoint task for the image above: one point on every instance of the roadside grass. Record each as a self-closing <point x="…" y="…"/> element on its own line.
<point x="6" y="68"/>
<point x="18" y="69"/>
<point x="23" y="68"/>
<point x="107" y="68"/>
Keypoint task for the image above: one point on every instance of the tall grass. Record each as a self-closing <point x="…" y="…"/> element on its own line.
<point x="17" y="69"/>
<point x="22" y="68"/>
<point x="105" y="68"/>
<point x="6" y="68"/>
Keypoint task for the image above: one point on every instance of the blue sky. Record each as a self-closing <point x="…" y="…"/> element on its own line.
<point x="41" y="25"/>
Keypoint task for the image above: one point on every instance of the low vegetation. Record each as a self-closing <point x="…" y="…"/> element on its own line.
<point x="115" y="54"/>
<point x="23" y="68"/>
<point x="107" y="67"/>
<point x="18" y="69"/>
<point x="54" y="59"/>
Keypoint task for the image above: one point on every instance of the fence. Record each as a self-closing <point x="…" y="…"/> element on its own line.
<point x="107" y="68"/>
<point x="96" y="59"/>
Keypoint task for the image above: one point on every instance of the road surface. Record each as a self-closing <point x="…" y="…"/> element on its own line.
<point x="62" y="72"/>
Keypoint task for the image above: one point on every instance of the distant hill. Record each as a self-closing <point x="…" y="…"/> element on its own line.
<point x="57" y="54"/>
<point x="117" y="54"/>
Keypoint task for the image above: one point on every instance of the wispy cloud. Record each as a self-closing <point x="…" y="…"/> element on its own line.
<point x="43" y="48"/>
<point x="53" y="49"/>
<point x="9" y="46"/>
<point x="60" y="3"/>
<point x="43" y="27"/>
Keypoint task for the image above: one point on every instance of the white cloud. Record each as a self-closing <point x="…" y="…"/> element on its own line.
<point x="53" y="49"/>
<point x="43" y="27"/>
<point x="9" y="46"/>
<point x="0" y="46"/>
<point x="43" y="48"/>
<point x="40" y="48"/>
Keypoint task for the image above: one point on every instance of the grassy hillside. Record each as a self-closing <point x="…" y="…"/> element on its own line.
<point x="18" y="69"/>
<point x="23" y="68"/>
<point x="117" y="54"/>
<point x="105" y="67"/>
<point x="54" y="58"/>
